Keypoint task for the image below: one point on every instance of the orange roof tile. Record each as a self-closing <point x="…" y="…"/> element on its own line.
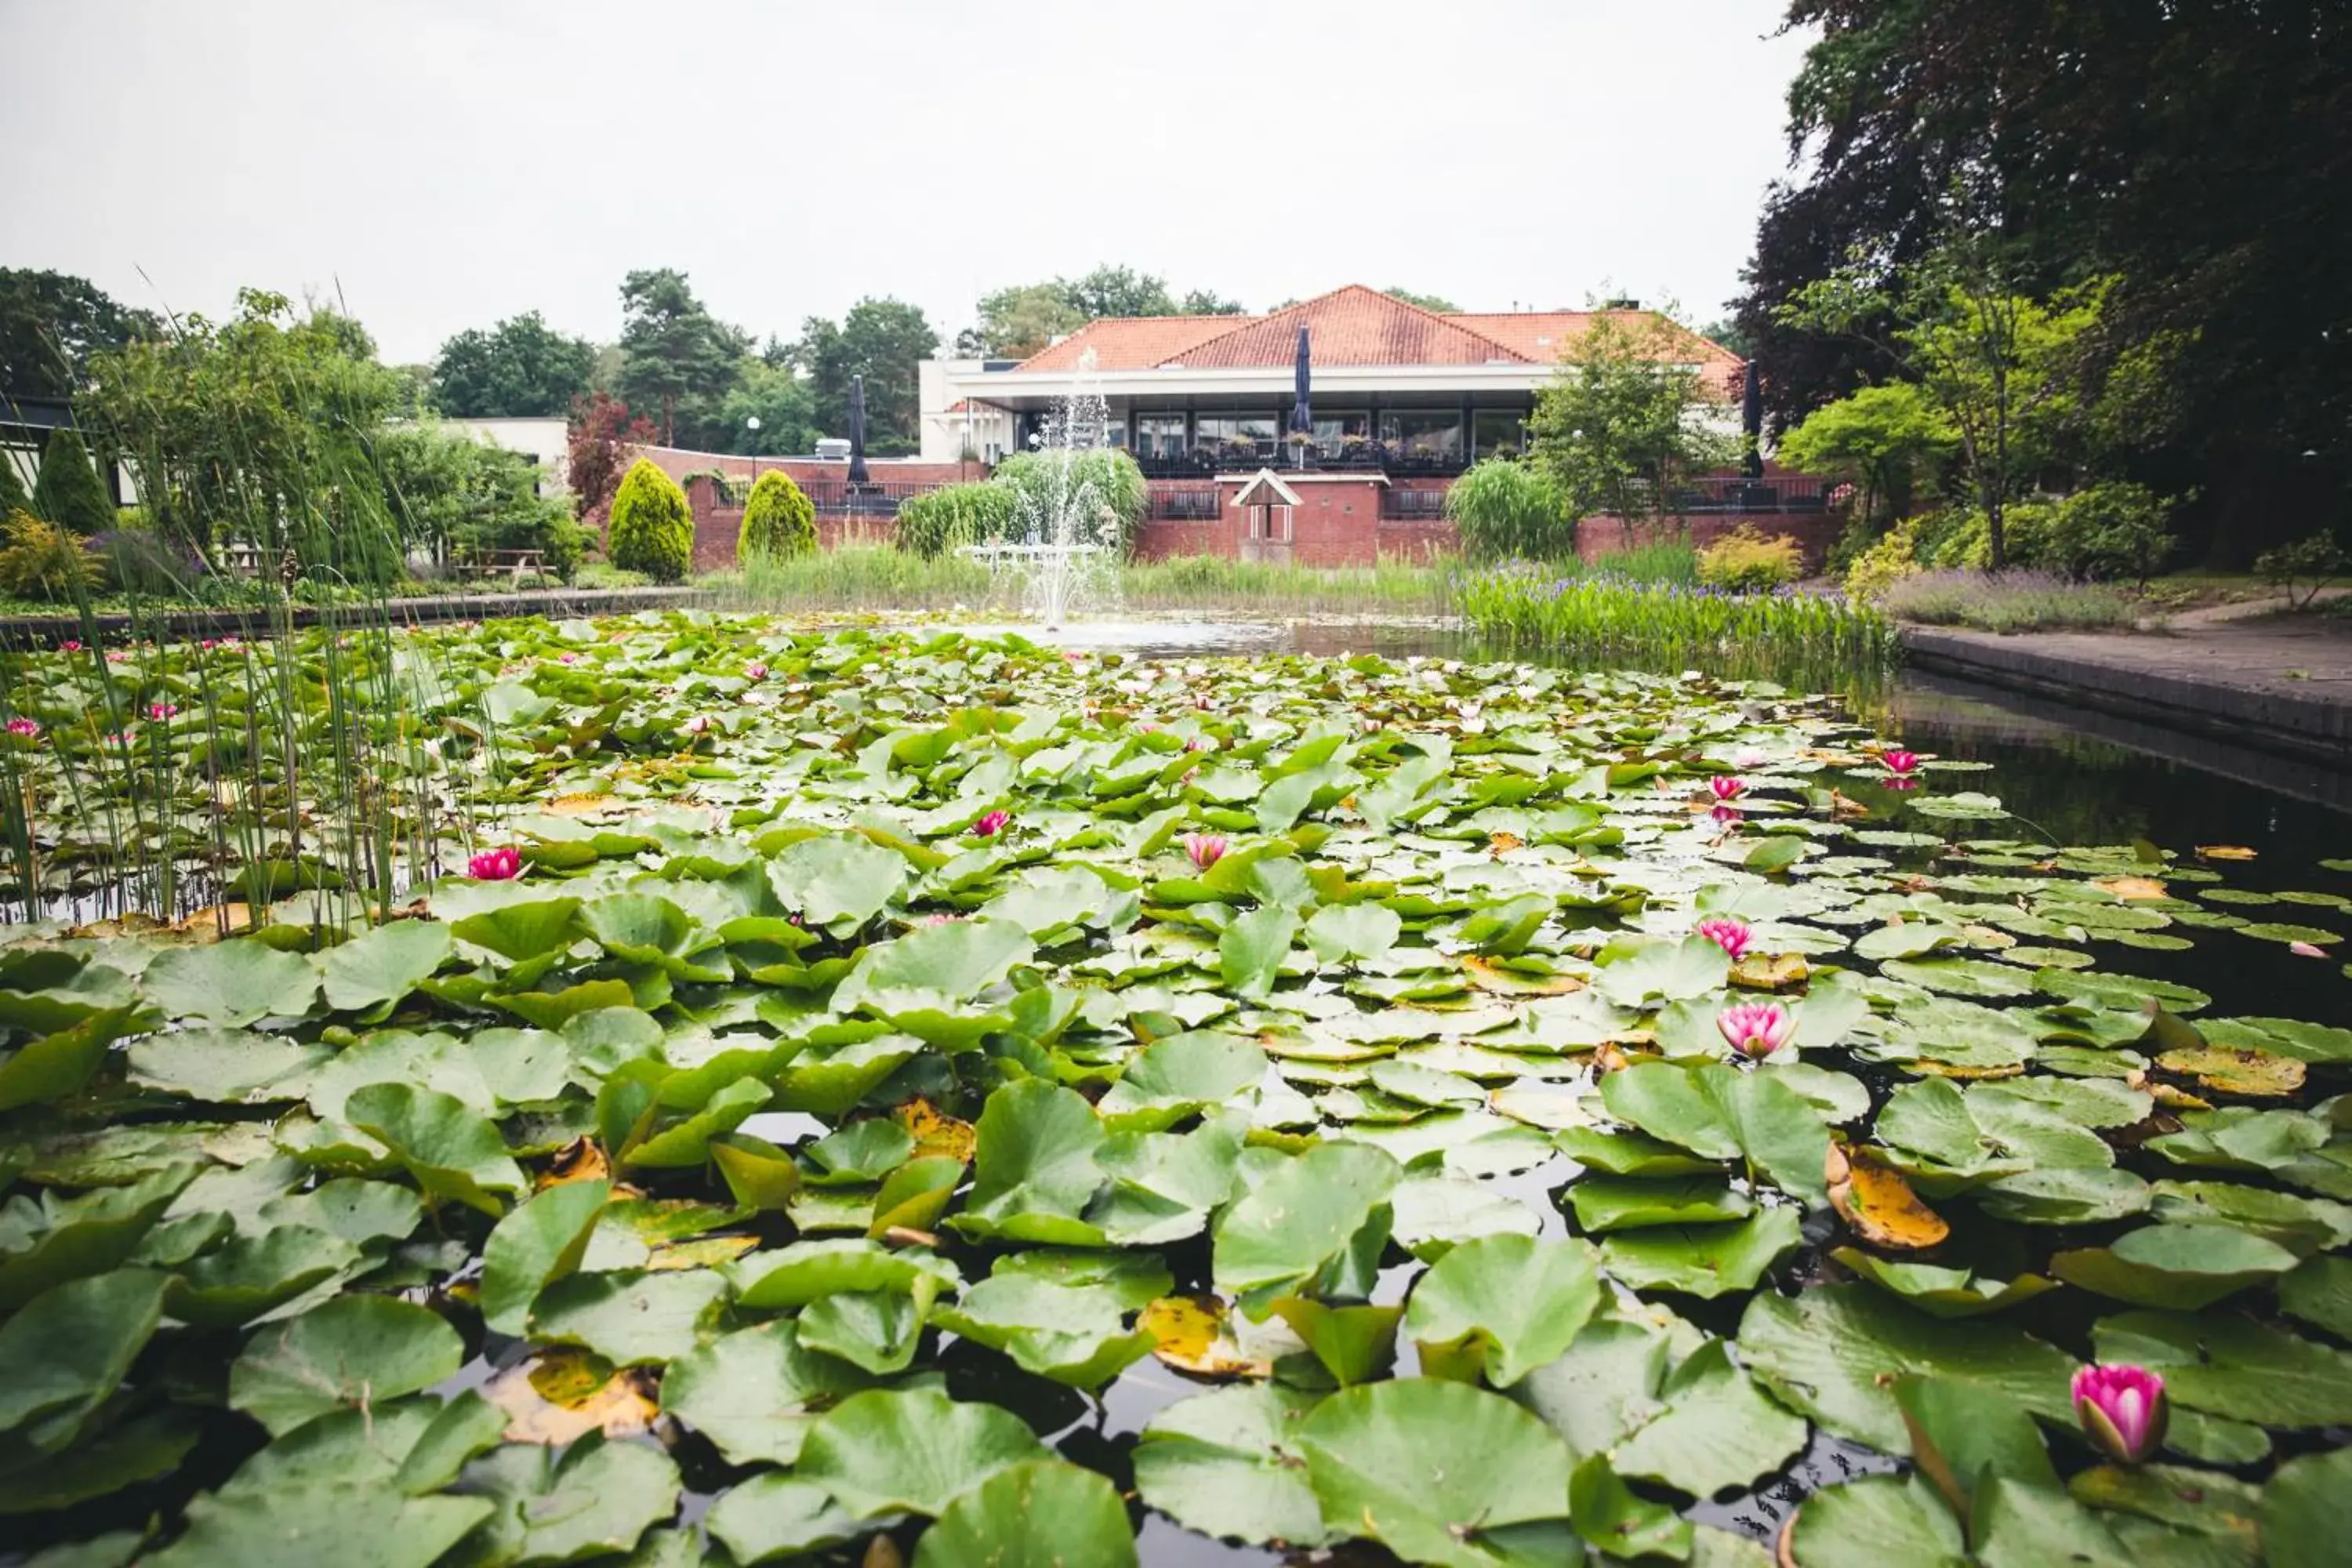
<point x="1131" y="343"/>
<point x="1350" y="326"/>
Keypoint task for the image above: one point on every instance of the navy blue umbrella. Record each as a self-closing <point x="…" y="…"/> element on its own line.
<point x="857" y="474"/>
<point x="1302" y="418"/>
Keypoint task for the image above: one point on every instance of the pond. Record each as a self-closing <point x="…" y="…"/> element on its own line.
<point x="1131" y="1103"/>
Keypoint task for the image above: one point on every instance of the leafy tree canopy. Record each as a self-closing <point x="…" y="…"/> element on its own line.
<point x="1877" y="440"/>
<point x="1627" y="421"/>
<point x="1018" y="321"/>
<point x="673" y="350"/>
<point x="520" y="368"/>
<point x="882" y="340"/>
<point x="50" y="325"/>
<point x="1437" y="302"/>
<point x="2176" y="148"/>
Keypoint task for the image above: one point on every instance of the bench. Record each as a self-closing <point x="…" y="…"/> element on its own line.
<point x="514" y="564"/>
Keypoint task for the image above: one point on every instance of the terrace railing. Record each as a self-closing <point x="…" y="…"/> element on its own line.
<point x="881" y="499"/>
<point x="1182" y="501"/>
<point x="1413" y="506"/>
<point x="1772" y="494"/>
<point x="1360" y="457"/>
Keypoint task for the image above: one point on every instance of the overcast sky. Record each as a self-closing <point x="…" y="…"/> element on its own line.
<point x="447" y="162"/>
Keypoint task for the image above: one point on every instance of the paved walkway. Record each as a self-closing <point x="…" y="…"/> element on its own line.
<point x="2280" y="682"/>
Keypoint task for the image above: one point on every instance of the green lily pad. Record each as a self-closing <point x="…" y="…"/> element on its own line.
<point x="1504" y="1305"/>
<point x="1431" y="1469"/>
<point x="1227" y="1463"/>
<point x="911" y="1451"/>
<point x="756" y="1392"/>
<point x="351" y="1351"/>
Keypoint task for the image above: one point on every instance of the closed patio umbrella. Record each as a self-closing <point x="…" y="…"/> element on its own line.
<point x="857" y="474"/>
<point x="1302" y="417"/>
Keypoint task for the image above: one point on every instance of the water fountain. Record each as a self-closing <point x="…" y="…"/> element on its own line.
<point x="1061" y="556"/>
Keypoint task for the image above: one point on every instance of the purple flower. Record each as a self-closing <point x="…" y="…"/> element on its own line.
<point x="2122" y="1409"/>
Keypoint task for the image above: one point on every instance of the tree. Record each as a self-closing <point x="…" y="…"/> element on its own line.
<point x="260" y="428"/>
<point x="652" y="528"/>
<point x="1437" y="302"/>
<point x="1118" y="291"/>
<point x="452" y="494"/>
<point x="1208" y="303"/>
<point x="673" y="350"/>
<point x="12" y="495"/>
<point x="785" y="405"/>
<point x="1626" y="419"/>
<point x="1017" y="322"/>
<point x="50" y="325"/>
<point x="597" y="446"/>
<point x="882" y="340"/>
<point x="778" y="520"/>
<point x="2175" y="148"/>
<point x="1876" y="440"/>
<point x="67" y="491"/>
<point x="519" y="369"/>
<point x="2004" y="371"/>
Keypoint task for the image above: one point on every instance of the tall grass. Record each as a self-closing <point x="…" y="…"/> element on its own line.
<point x="855" y="578"/>
<point x="1602" y="617"/>
<point x="1214" y="585"/>
<point x="167" y="777"/>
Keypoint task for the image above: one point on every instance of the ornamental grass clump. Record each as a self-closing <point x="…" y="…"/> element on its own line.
<point x="1745" y="561"/>
<point x="1600" y="617"/>
<point x="652" y="529"/>
<point x="2018" y="600"/>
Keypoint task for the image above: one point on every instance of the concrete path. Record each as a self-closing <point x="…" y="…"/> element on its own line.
<point x="2283" y="683"/>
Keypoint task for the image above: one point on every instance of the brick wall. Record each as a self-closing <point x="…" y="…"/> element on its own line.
<point x="716" y="527"/>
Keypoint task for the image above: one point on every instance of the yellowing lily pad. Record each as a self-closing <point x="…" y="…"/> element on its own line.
<point x="2248" y="1073"/>
<point x="1880" y="1205"/>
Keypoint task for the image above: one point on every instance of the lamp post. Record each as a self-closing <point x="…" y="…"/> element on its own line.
<point x="752" y="425"/>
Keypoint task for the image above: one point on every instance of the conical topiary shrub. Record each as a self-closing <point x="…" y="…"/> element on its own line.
<point x="778" y="520"/>
<point x="652" y="529"/>
<point x="67" y="493"/>
<point x="13" y="498"/>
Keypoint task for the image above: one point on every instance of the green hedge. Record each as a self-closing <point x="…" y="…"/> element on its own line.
<point x="67" y="491"/>
<point x="652" y="529"/>
<point x="778" y="520"/>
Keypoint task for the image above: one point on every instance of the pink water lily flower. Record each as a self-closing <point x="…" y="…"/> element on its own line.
<point x="159" y="711"/>
<point x="755" y="671"/>
<point x="567" y="659"/>
<point x="1755" y="1029"/>
<point x="1205" y="848"/>
<point x="2300" y="949"/>
<point x="1731" y="935"/>
<point x="71" y="645"/>
<point x="990" y="825"/>
<point x="1899" y="762"/>
<point x="118" y="657"/>
<point x="501" y="865"/>
<point x="1198" y="742"/>
<point x="696" y="725"/>
<point x="2122" y="1409"/>
<point x="1748" y="757"/>
<point x="25" y="727"/>
<point x="1726" y="789"/>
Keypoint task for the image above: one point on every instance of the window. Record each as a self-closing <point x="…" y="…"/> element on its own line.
<point x="1159" y="435"/>
<point x="1332" y="431"/>
<point x="1494" y="428"/>
<point x="1423" y="434"/>
<point x="1270" y="524"/>
<point x="1237" y="434"/>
